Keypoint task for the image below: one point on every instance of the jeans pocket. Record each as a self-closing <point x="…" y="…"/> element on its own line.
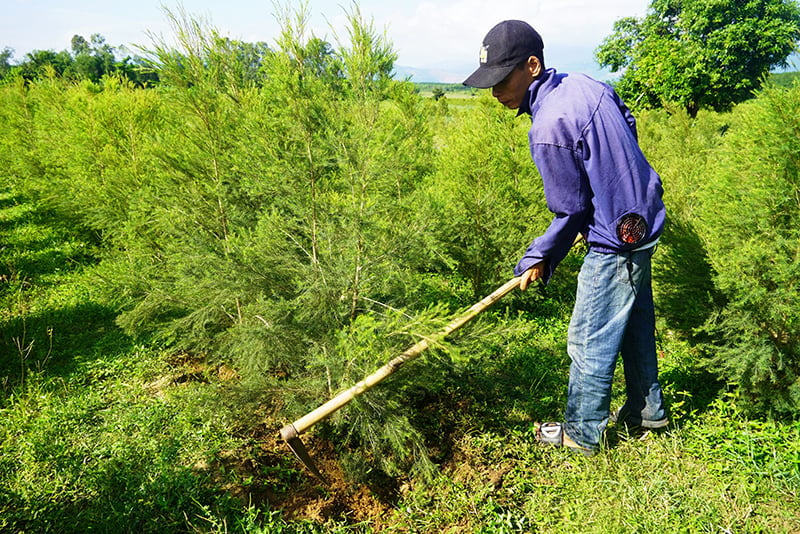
<point x="625" y="269"/>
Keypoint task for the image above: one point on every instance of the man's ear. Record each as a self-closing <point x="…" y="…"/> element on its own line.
<point x="534" y="66"/>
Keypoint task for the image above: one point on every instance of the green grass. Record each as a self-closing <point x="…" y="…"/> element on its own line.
<point x="97" y="433"/>
<point x="451" y="90"/>
<point x="103" y="433"/>
<point x="713" y="472"/>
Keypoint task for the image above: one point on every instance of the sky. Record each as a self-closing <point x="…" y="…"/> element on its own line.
<point x="440" y="37"/>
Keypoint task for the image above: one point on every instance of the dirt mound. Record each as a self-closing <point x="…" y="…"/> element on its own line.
<point x="267" y="473"/>
<point x="277" y="479"/>
<point x="340" y="499"/>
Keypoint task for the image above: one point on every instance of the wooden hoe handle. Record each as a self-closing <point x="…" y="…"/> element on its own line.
<point x="310" y="419"/>
<point x="290" y="434"/>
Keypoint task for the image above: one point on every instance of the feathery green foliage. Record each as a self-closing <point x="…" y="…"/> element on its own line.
<point x="749" y="213"/>
<point x="683" y="150"/>
<point x="485" y="200"/>
<point x="185" y="268"/>
<point x="249" y="223"/>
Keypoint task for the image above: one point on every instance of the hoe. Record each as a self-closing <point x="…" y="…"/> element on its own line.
<point x="291" y="432"/>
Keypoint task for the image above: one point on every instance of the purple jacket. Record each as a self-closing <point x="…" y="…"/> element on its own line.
<point x="597" y="182"/>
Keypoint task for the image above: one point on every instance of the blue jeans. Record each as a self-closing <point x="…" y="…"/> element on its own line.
<point x="613" y="314"/>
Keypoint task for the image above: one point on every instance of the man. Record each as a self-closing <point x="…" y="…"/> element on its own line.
<point x="597" y="183"/>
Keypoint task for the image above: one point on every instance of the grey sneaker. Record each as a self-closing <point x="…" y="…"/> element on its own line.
<point x="623" y="416"/>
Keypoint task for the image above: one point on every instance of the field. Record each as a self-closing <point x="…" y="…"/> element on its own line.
<point x="102" y="433"/>
<point x="186" y="268"/>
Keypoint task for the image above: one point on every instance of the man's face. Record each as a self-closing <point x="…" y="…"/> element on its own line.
<point x="512" y="89"/>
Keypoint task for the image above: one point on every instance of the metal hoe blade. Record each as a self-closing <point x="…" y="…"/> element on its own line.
<point x="292" y="438"/>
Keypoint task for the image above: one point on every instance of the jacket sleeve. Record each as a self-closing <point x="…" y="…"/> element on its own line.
<point x="568" y="195"/>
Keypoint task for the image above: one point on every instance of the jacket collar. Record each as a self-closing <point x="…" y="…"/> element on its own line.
<point x="533" y="91"/>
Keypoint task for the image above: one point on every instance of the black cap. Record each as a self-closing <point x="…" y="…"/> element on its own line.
<point x="504" y="47"/>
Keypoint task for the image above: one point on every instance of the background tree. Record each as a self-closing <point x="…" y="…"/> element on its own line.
<point x="39" y="62"/>
<point x="5" y="62"/>
<point x="700" y="53"/>
<point x="92" y="60"/>
<point x="482" y="230"/>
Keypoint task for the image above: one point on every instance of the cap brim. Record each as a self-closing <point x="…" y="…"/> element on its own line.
<point x="486" y="77"/>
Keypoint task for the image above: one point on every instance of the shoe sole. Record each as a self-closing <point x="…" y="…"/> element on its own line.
<point x="632" y="423"/>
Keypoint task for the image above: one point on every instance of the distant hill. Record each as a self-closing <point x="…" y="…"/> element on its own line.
<point x="450" y="79"/>
<point x="784" y="79"/>
<point x="455" y="73"/>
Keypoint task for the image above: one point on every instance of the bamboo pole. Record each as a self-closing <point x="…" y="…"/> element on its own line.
<point x="290" y="433"/>
<point x="293" y="430"/>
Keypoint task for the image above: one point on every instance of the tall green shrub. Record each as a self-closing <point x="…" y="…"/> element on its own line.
<point x="484" y="204"/>
<point x="683" y="150"/>
<point x="749" y="210"/>
<point x="251" y="218"/>
<point x="280" y="212"/>
<point x="18" y="137"/>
